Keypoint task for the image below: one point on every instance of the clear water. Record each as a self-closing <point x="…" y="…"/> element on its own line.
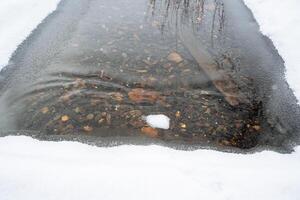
<point x="125" y="59"/>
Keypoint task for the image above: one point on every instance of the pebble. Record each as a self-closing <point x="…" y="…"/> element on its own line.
<point x="77" y="110"/>
<point x="182" y="125"/>
<point x="88" y="128"/>
<point x="256" y="127"/>
<point x="178" y="114"/>
<point x="175" y="57"/>
<point x="90" y="116"/>
<point x="65" y="118"/>
<point x="149" y="131"/>
<point x="45" y="110"/>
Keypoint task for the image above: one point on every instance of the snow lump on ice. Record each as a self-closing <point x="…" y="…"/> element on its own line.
<point x="158" y="121"/>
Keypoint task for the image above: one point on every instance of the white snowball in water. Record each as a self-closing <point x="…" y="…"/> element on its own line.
<point x="158" y="121"/>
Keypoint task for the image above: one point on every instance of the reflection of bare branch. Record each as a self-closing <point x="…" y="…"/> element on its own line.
<point x="213" y="24"/>
<point x="222" y="80"/>
<point x="221" y="16"/>
<point x="207" y="17"/>
<point x="194" y="12"/>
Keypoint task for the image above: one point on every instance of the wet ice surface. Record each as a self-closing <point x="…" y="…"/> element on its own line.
<point x="115" y="66"/>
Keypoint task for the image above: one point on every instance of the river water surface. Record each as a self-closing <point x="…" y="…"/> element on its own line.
<point x="94" y="68"/>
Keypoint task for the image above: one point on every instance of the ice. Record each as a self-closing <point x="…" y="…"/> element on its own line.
<point x="158" y="121"/>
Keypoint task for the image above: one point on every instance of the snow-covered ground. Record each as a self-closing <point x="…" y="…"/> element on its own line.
<point x="280" y="21"/>
<point x="34" y="170"/>
<point x="17" y="19"/>
<point x="31" y="169"/>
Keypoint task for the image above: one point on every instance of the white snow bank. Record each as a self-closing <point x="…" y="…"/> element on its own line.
<point x="32" y="170"/>
<point x="17" y="19"/>
<point x="280" y="21"/>
<point x="158" y="121"/>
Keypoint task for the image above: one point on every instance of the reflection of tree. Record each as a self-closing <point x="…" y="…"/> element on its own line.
<point x="208" y="14"/>
<point x="199" y="23"/>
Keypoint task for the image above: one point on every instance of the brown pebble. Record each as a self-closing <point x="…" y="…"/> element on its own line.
<point x="65" y="97"/>
<point x="186" y="71"/>
<point x="139" y="95"/>
<point x="45" y="110"/>
<point x="182" y="125"/>
<point x="65" y="118"/>
<point x="77" y="110"/>
<point x="100" y="121"/>
<point x="149" y="131"/>
<point x="256" y="127"/>
<point x="90" y="116"/>
<point x="175" y="57"/>
<point x="116" y="96"/>
<point x="88" y="128"/>
<point x="178" y="114"/>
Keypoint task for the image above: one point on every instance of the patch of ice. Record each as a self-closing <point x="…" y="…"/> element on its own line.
<point x="158" y="121"/>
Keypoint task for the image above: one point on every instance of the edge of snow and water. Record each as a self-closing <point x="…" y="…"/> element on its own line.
<point x="32" y="169"/>
<point x="278" y="20"/>
<point x="18" y="18"/>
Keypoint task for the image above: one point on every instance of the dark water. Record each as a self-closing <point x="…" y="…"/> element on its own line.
<point x="94" y="68"/>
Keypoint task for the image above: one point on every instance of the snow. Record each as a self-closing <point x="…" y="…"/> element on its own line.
<point x="158" y="121"/>
<point x="17" y="19"/>
<point x="279" y="20"/>
<point x="32" y="169"/>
